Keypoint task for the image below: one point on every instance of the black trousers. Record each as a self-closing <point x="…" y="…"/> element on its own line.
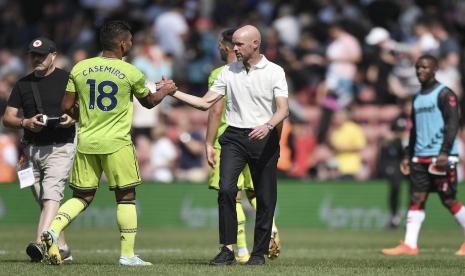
<point x="237" y="150"/>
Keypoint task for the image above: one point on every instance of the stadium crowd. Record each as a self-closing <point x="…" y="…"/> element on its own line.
<point x="349" y="64"/>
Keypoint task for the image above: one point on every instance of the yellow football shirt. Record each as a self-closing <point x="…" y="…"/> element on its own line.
<point x="105" y="89"/>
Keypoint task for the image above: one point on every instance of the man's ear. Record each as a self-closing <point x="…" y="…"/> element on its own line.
<point x="53" y="56"/>
<point x="256" y="44"/>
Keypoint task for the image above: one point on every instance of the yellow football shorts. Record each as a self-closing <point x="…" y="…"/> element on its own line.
<point x="243" y="183"/>
<point x="120" y="167"/>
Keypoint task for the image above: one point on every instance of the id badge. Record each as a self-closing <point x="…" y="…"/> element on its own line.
<point x="26" y="177"/>
<point x="25" y="172"/>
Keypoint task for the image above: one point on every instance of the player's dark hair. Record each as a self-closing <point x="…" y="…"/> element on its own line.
<point x="111" y="32"/>
<point x="226" y="35"/>
<point x="431" y="58"/>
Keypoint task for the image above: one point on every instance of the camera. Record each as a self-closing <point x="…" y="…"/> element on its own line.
<point x="50" y="121"/>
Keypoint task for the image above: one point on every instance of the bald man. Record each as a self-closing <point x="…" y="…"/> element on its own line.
<point x="256" y="102"/>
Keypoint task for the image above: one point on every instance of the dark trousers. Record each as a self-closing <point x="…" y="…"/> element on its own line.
<point x="237" y="150"/>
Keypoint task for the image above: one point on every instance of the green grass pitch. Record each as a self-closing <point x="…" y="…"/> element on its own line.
<point x="186" y="252"/>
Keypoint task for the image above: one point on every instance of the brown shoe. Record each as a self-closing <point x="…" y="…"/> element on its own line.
<point x="401" y="249"/>
<point x="461" y="251"/>
<point x="275" y="246"/>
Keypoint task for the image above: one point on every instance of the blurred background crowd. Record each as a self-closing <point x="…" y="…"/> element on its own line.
<point x="349" y="64"/>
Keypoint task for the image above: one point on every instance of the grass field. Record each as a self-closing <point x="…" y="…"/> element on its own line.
<point x="186" y="252"/>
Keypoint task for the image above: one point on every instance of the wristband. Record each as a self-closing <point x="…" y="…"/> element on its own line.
<point x="21" y="123"/>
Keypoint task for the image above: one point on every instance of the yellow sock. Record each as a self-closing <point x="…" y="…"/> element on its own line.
<point x="253" y="202"/>
<point x="67" y="212"/>
<point x="126" y="217"/>
<point x="241" y="238"/>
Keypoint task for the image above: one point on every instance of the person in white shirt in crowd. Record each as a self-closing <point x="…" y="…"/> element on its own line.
<point x="163" y="155"/>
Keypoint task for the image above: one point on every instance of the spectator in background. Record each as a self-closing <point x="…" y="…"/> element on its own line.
<point x="143" y="146"/>
<point x="343" y="54"/>
<point x="78" y="55"/>
<point x="449" y="57"/>
<point x="449" y="48"/>
<point x="308" y="67"/>
<point x="191" y="165"/>
<point x="287" y="25"/>
<point x="150" y="60"/>
<point x="402" y="81"/>
<point x="10" y="64"/>
<point x="8" y="157"/>
<point x="200" y="55"/>
<point x="171" y="30"/>
<point x="5" y="89"/>
<point x="407" y="17"/>
<point x="383" y="61"/>
<point x="286" y="148"/>
<point x="424" y="41"/>
<point x="347" y="141"/>
<point x="390" y="155"/>
<point x="162" y="155"/>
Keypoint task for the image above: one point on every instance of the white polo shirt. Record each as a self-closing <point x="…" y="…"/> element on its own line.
<point x="250" y="96"/>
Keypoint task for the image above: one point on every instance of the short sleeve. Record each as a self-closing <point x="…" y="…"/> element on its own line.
<point x="213" y="76"/>
<point x="280" y="84"/>
<point x="70" y="86"/>
<point x="138" y="87"/>
<point x="15" y="97"/>
<point x="219" y="85"/>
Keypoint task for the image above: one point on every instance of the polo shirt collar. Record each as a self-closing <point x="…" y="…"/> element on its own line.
<point x="261" y="64"/>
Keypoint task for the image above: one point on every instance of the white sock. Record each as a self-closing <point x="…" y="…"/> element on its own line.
<point x="460" y="218"/>
<point x="242" y="251"/>
<point x="63" y="247"/>
<point x="414" y="220"/>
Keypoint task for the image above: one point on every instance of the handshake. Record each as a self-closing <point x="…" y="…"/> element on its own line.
<point x="163" y="85"/>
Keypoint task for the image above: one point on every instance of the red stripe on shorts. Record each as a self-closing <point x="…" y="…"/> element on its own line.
<point x="456" y="208"/>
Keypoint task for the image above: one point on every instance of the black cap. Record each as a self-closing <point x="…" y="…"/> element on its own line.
<point x="42" y="45"/>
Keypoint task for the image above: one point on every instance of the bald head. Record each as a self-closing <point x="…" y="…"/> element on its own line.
<point x="246" y="42"/>
<point x="248" y="32"/>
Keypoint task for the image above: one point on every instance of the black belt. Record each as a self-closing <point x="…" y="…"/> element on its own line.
<point x="240" y="129"/>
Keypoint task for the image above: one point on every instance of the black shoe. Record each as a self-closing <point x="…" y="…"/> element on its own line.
<point x="256" y="260"/>
<point x="35" y="251"/>
<point x="225" y="257"/>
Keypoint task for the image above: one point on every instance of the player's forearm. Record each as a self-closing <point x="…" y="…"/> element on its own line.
<point x="408" y="152"/>
<point x="69" y="105"/>
<point x="153" y="99"/>
<point x="450" y="133"/>
<point x="450" y="112"/>
<point x="73" y="112"/>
